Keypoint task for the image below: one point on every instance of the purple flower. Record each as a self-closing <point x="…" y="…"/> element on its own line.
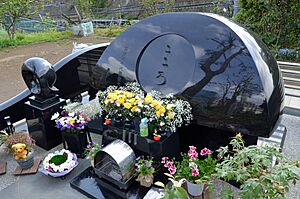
<point x="148" y="165"/>
<point x="138" y="158"/>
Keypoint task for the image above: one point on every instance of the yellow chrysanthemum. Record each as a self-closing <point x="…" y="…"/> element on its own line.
<point x="154" y="103"/>
<point x="106" y="101"/>
<point x="72" y="122"/>
<point x="118" y="92"/>
<point x="170" y="115"/>
<point x="148" y="99"/>
<point x="112" y="96"/>
<point x="134" y="108"/>
<point x="121" y="100"/>
<point x="132" y="100"/>
<point x="170" y="106"/>
<point x="127" y="105"/>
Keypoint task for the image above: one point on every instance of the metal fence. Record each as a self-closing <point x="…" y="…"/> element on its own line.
<point x="291" y="76"/>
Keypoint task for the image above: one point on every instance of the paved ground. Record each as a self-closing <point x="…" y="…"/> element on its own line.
<point x="39" y="186"/>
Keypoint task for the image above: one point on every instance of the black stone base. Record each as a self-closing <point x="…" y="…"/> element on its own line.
<point x="90" y="185"/>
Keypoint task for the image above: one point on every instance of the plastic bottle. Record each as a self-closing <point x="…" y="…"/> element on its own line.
<point x="144" y="127"/>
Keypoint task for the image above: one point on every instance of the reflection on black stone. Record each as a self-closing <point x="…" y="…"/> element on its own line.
<point x="229" y="76"/>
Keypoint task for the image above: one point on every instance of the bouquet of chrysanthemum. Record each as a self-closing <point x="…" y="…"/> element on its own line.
<point x="70" y="121"/>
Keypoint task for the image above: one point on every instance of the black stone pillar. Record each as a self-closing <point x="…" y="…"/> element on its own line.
<point x="40" y="126"/>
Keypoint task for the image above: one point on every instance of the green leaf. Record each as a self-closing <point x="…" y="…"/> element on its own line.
<point x="181" y="193"/>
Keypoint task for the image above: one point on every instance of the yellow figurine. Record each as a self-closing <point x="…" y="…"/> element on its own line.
<point x="20" y="151"/>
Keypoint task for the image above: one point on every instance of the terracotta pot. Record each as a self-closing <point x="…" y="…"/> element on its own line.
<point x="194" y="189"/>
<point x="145" y="180"/>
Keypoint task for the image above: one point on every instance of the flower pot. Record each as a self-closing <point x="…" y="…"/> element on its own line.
<point x="129" y="124"/>
<point x="117" y="122"/>
<point x="92" y="163"/>
<point x="194" y="189"/>
<point x="26" y="163"/>
<point x="76" y="141"/>
<point x="145" y="180"/>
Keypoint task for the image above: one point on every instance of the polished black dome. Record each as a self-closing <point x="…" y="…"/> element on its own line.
<point x="228" y="75"/>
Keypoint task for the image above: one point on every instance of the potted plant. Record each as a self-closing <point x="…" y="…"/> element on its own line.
<point x="196" y="171"/>
<point x="21" y="145"/>
<point x="174" y="190"/>
<point x="262" y="171"/>
<point x="91" y="150"/>
<point x="144" y="170"/>
<point x="73" y="128"/>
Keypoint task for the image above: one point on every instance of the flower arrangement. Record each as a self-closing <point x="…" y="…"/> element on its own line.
<point x="145" y="170"/>
<point x="60" y="161"/>
<point x="129" y="101"/>
<point x="262" y="171"/>
<point x="92" y="149"/>
<point x="70" y="121"/>
<point x="192" y="168"/>
<point x="18" y="137"/>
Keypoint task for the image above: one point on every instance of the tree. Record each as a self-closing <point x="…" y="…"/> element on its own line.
<point x="153" y="7"/>
<point x="275" y="21"/>
<point x="86" y="6"/>
<point x="12" y="10"/>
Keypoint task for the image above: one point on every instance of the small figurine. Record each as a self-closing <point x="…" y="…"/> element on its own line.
<point x="20" y="151"/>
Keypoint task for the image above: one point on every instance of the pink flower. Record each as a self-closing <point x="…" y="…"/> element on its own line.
<point x="192" y="153"/>
<point x="169" y="163"/>
<point x="193" y="156"/>
<point x="164" y="160"/>
<point x="193" y="148"/>
<point x="172" y="169"/>
<point x="205" y="151"/>
<point x="195" y="172"/>
<point x="89" y="119"/>
<point x="82" y="114"/>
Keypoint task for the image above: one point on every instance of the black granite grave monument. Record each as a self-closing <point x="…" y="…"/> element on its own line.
<point x="40" y="77"/>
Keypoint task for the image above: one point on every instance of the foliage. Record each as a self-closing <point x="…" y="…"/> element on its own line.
<point x="70" y="121"/>
<point x="192" y="168"/>
<point x="109" y="32"/>
<point x="175" y="190"/>
<point x="18" y="137"/>
<point x="12" y="10"/>
<point x="129" y="101"/>
<point x="91" y="150"/>
<point x="254" y="168"/>
<point x="58" y="159"/>
<point x="144" y="166"/>
<point x="276" y="22"/>
<point x="3" y="136"/>
<point x="86" y="6"/>
<point x="153" y="7"/>
<point x="23" y="39"/>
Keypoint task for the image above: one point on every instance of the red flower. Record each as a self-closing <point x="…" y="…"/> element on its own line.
<point x="205" y="151"/>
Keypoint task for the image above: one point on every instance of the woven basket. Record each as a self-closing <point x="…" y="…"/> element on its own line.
<point x="26" y="163"/>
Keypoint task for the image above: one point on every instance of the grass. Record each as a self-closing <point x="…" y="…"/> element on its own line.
<point x="109" y="32"/>
<point x="23" y="39"/>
